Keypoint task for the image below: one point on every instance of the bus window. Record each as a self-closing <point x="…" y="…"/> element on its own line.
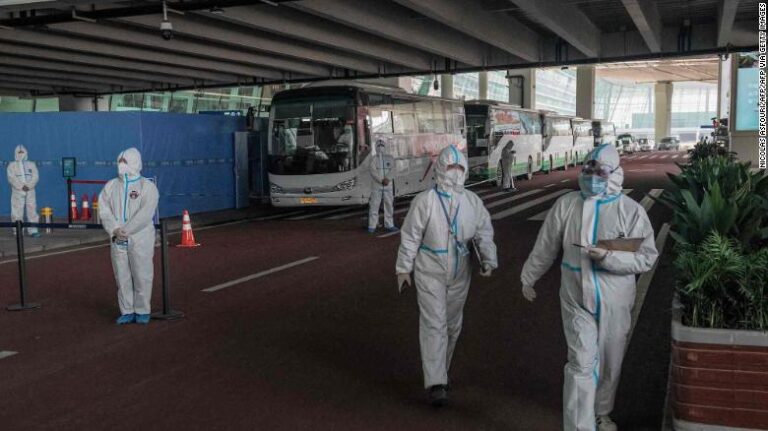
<point x="404" y="118"/>
<point x="430" y="117"/>
<point x="312" y="138"/>
<point x="381" y="121"/>
<point x="531" y="122"/>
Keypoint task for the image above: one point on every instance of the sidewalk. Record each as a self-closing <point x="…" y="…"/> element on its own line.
<point x="60" y="238"/>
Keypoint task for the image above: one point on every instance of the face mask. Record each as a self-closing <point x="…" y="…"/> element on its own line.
<point x="592" y="185"/>
<point x="454" y="179"/>
<point x="122" y="168"/>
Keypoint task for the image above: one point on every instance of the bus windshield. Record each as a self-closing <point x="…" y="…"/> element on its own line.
<point x="312" y="137"/>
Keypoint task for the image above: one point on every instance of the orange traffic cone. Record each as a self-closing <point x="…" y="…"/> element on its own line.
<point x="72" y="207"/>
<point x="187" y="237"/>
<point x="95" y="205"/>
<point x="85" y="214"/>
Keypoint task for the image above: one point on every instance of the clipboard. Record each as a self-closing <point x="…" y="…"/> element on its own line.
<point x="621" y="244"/>
<point x="476" y="253"/>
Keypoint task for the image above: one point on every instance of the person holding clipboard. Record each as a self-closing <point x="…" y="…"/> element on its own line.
<point x="606" y="239"/>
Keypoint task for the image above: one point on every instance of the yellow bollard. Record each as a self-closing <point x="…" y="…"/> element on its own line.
<point x="47" y="214"/>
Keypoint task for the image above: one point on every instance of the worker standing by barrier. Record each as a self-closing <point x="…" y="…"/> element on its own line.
<point x="508" y="168"/>
<point x="126" y="208"/>
<point x="23" y="177"/>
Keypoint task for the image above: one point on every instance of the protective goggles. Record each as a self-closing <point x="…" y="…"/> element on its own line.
<point x="594" y="167"/>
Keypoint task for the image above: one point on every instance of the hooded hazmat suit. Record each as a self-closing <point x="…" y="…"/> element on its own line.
<point x="508" y="166"/>
<point x="22" y="174"/>
<point x="437" y="251"/>
<point x="382" y="167"/>
<point x="127" y="205"/>
<point x="596" y="297"/>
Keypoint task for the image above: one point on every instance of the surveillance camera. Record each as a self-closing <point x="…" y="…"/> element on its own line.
<point x="166" y="30"/>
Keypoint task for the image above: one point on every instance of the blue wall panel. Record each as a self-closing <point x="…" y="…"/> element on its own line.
<point x="189" y="155"/>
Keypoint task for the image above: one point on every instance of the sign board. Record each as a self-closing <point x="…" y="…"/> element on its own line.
<point x="68" y="167"/>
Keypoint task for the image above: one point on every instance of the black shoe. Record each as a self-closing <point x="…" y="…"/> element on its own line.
<point x="438" y="395"/>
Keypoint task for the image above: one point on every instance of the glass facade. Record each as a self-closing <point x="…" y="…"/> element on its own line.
<point x="556" y="90"/>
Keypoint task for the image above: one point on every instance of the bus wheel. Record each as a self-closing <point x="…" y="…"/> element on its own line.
<point x="529" y="171"/>
<point x="499" y="178"/>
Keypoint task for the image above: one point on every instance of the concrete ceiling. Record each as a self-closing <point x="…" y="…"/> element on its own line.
<point x="97" y="47"/>
<point x="703" y="69"/>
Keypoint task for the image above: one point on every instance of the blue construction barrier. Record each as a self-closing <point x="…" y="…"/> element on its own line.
<point x="191" y="156"/>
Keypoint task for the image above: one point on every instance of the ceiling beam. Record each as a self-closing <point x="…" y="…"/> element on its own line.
<point x="74" y="77"/>
<point x="58" y="55"/>
<point x="393" y="22"/>
<point x="56" y="86"/>
<point x="565" y="20"/>
<point x="216" y="31"/>
<point x="152" y="39"/>
<point x="38" y="64"/>
<point x="726" y="15"/>
<point x="284" y="22"/>
<point x="645" y="15"/>
<point x="58" y="42"/>
<point x="497" y="29"/>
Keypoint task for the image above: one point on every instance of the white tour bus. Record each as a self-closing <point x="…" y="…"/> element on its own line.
<point x="313" y="160"/>
<point x="583" y="138"/>
<point x="490" y="126"/>
<point x="557" y="143"/>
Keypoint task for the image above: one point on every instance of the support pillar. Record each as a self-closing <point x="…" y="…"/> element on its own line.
<point x="585" y="92"/>
<point x="482" y="86"/>
<point x="446" y="86"/>
<point x="522" y="87"/>
<point x="724" y="78"/>
<point x="662" y="110"/>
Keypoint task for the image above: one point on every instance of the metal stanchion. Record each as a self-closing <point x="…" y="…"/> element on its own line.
<point x="167" y="313"/>
<point x="23" y="305"/>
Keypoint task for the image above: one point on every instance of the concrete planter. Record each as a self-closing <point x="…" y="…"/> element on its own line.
<point x="719" y="378"/>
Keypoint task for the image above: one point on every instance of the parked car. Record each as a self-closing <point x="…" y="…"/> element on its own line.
<point x="627" y="143"/>
<point x="669" y="143"/>
<point x="645" y="144"/>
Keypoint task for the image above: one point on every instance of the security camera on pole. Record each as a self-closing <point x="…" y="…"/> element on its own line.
<point x="166" y="28"/>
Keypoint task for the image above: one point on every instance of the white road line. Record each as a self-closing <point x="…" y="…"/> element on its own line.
<point x="388" y="234"/>
<point x="642" y="170"/>
<point x="277" y="216"/>
<point x="260" y="274"/>
<point x="565" y="180"/>
<point x="6" y="353"/>
<point x="645" y="279"/>
<point x="513" y="198"/>
<point x="549" y="185"/>
<point x="56" y="253"/>
<point x="401" y="210"/>
<point x="647" y="201"/>
<point x="323" y="213"/>
<point x="522" y="207"/>
<point x="642" y="157"/>
<point x="543" y="215"/>
<point x="653" y="156"/>
<point x="664" y="156"/>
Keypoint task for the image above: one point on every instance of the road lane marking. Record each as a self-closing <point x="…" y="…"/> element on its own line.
<point x="642" y="170"/>
<point x="388" y="234"/>
<point x="645" y="279"/>
<point x="664" y="156"/>
<point x="653" y="156"/>
<point x="565" y="180"/>
<point x="643" y="157"/>
<point x="277" y="216"/>
<point x="513" y="198"/>
<point x="56" y="253"/>
<point x="259" y="274"/>
<point x="549" y="185"/>
<point x="6" y="353"/>
<point x="522" y="207"/>
<point x="648" y="201"/>
<point x="543" y="215"/>
<point x="402" y="210"/>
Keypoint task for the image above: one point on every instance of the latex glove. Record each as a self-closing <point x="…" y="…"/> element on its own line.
<point x="385" y="181"/>
<point x="120" y="233"/>
<point x="25" y="188"/>
<point x="529" y="293"/>
<point x="402" y="281"/>
<point x="486" y="271"/>
<point x="596" y="253"/>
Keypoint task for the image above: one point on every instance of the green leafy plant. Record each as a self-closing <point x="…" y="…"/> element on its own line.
<point x="720" y="286"/>
<point x="703" y="150"/>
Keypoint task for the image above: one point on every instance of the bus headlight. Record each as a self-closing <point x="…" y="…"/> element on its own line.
<point x="345" y="185"/>
<point x="274" y="188"/>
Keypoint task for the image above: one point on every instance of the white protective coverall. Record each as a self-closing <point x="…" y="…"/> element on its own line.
<point x="507" y="166"/>
<point x="596" y="298"/>
<point x="129" y="202"/>
<point x="382" y="166"/>
<point x="23" y="173"/>
<point x="431" y="247"/>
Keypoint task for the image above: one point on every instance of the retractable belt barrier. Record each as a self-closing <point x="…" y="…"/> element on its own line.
<point x="166" y="314"/>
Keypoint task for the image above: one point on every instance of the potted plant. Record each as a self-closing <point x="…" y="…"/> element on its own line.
<point x="720" y="319"/>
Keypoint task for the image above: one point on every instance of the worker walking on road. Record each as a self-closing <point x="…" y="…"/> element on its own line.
<point x="436" y="243"/>
<point x="127" y="206"/>
<point x="597" y="290"/>
<point x="23" y="177"/>
<point x="382" y="189"/>
<point x="507" y="168"/>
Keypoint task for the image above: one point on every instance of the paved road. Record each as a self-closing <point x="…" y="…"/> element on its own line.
<point x="295" y="324"/>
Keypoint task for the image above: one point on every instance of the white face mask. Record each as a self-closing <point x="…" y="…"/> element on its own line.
<point x="122" y="168"/>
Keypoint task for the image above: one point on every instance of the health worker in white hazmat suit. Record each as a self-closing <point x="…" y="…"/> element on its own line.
<point x="23" y="177"/>
<point x="597" y="289"/>
<point x="127" y="206"/>
<point x="382" y="167"/>
<point x="437" y="236"/>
